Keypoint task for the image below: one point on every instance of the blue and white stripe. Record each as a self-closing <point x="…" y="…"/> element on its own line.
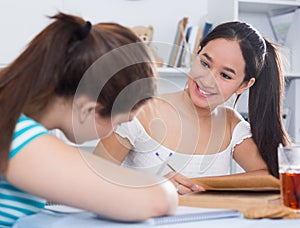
<point x="15" y="203"/>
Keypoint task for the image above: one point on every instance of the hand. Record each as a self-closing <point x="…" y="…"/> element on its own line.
<point x="183" y="184"/>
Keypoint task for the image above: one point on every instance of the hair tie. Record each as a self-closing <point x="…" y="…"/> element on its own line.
<point x="83" y="32"/>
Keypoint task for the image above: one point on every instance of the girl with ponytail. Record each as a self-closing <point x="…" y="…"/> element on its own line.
<point x="197" y="127"/>
<point x="264" y="67"/>
<point x="82" y="79"/>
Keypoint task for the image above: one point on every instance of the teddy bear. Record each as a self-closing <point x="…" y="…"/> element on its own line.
<point x="146" y="34"/>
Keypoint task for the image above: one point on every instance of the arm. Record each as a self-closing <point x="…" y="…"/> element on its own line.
<point x="61" y="173"/>
<point x="113" y="148"/>
<point x="183" y="184"/>
<point x="246" y="152"/>
<point x="247" y="156"/>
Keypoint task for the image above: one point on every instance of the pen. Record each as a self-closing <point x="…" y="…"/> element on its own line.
<point x="166" y="161"/>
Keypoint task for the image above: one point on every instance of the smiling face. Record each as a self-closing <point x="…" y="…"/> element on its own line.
<point x="217" y="73"/>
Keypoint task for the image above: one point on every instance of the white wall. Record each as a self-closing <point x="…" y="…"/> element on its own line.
<point x="21" y="20"/>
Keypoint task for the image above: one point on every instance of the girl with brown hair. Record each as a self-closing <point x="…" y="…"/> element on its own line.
<point x="82" y="79"/>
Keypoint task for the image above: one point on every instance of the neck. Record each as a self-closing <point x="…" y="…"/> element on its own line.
<point x="55" y="114"/>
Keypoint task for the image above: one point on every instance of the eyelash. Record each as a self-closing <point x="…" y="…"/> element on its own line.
<point x="226" y="76"/>
<point x="206" y="65"/>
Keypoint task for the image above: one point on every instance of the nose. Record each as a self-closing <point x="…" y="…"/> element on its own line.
<point x="204" y="77"/>
<point x="208" y="79"/>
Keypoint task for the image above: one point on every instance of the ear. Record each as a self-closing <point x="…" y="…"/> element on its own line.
<point x="245" y="86"/>
<point x="85" y="108"/>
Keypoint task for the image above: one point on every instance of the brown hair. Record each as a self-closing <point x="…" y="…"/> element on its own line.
<point x="265" y="96"/>
<point x="54" y="63"/>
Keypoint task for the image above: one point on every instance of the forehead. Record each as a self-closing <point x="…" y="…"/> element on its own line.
<point x="226" y="53"/>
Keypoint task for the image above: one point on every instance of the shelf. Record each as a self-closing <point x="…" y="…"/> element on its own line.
<point x="172" y="72"/>
<point x="234" y="8"/>
<point x="183" y="72"/>
<point x="292" y="75"/>
<point x="265" y="6"/>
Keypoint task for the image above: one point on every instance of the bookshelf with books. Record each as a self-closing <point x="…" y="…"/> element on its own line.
<point x="256" y="12"/>
<point x="181" y="54"/>
<point x="163" y="16"/>
<point x="186" y="42"/>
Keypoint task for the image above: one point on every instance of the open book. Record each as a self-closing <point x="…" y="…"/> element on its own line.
<point x="234" y="192"/>
<point x="239" y="183"/>
<point x="193" y="214"/>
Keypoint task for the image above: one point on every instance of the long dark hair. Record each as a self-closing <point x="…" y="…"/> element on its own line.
<point x="266" y="95"/>
<point x="54" y="63"/>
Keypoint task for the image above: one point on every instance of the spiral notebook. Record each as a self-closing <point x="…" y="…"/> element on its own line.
<point x="192" y="214"/>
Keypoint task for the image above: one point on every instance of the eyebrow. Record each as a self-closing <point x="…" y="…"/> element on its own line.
<point x="225" y="68"/>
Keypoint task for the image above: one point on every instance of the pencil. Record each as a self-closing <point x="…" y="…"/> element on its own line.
<point x="166" y="161"/>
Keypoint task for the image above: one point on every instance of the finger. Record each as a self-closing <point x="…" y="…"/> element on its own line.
<point x="177" y="178"/>
<point x="197" y="188"/>
<point x="188" y="184"/>
<point x="182" y="190"/>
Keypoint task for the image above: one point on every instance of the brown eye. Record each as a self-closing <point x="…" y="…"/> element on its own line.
<point x="226" y="76"/>
<point x="204" y="64"/>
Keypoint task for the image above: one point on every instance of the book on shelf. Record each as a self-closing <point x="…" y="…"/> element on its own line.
<point x="187" y="42"/>
<point x="197" y="41"/>
<point x="192" y="37"/>
<point x="183" y="48"/>
<point x="207" y="28"/>
<point x="177" y="41"/>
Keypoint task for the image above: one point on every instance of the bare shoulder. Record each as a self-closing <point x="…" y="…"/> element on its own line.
<point x="158" y="107"/>
<point x="159" y="114"/>
<point x="233" y="116"/>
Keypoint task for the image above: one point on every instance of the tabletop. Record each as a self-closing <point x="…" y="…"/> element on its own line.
<point x="86" y="219"/>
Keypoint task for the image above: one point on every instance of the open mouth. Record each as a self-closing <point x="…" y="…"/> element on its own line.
<point x="202" y="92"/>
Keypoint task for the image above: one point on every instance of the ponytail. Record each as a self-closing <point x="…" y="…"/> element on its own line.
<point x="54" y="64"/>
<point x="266" y="95"/>
<point x="28" y="83"/>
<point x="265" y="109"/>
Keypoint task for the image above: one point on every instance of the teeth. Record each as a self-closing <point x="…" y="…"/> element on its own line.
<point x="202" y="91"/>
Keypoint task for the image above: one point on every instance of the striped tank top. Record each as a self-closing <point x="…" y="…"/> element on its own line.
<point x="15" y="203"/>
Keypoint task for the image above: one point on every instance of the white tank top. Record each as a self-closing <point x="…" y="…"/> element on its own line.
<point x="144" y="148"/>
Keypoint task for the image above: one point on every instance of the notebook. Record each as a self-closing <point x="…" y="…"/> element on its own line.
<point x="60" y="208"/>
<point x="192" y="214"/>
